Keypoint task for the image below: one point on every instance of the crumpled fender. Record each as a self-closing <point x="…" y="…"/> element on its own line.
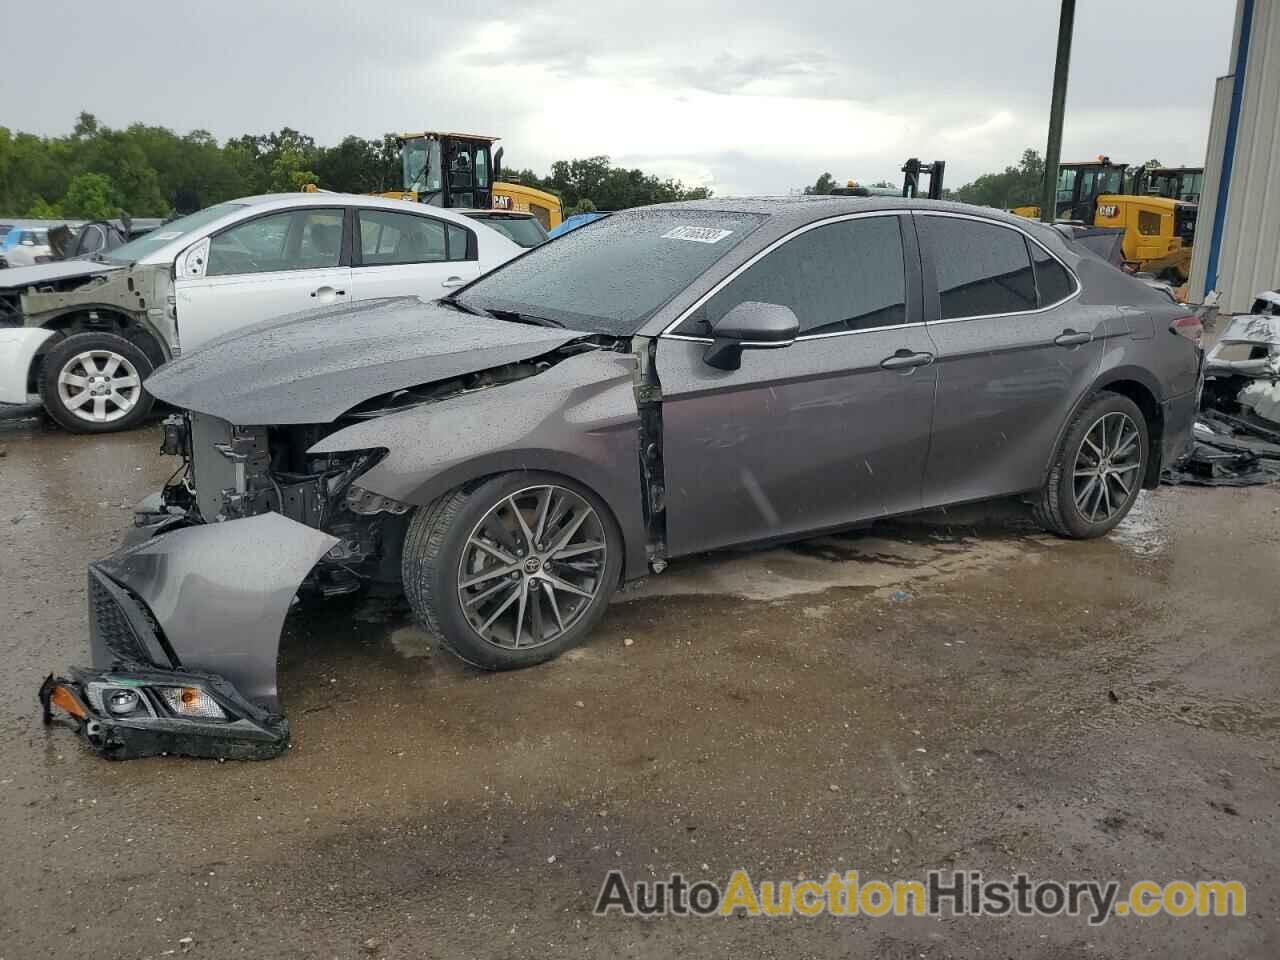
<point x="219" y="593"/>
<point x="18" y="347"/>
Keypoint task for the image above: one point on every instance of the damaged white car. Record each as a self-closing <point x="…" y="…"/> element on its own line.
<point x="84" y="335"/>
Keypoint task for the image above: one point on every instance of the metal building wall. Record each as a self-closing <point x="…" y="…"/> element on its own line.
<point x="1248" y="256"/>
<point x="1196" y="286"/>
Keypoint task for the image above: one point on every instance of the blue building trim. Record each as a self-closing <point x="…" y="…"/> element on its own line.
<point x="1229" y="147"/>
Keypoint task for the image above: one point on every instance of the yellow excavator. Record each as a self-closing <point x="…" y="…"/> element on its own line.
<point x="463" y="170"/>
<point x="1158" y="230"/>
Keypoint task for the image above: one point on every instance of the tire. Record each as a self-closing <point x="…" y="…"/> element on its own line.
<point x="1069" y="504"/>
<point x="92" y="383"/>
<point x="444" y="565"/>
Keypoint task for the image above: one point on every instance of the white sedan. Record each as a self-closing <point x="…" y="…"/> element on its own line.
<point x="92" y="331"/>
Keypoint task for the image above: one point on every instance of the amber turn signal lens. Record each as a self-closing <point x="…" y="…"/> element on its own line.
<point x="64" y="698"/>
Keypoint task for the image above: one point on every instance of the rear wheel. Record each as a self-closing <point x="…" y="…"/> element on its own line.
<point x="513" y="572"/>
<point x="1098" y="471"/>
<point x="92" y="383"/>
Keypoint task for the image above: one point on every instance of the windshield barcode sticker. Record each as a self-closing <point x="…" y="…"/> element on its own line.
<point x="697" y="234"/>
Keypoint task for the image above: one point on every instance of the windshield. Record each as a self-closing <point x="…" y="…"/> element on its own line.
<point x="612" y="276"/>
<point x="1066" y="184"/>
<point x="149" y="243"/>
<point x="420" y="160"/>
<point x="525" y="231"/>
<point x="1110" y="179"/>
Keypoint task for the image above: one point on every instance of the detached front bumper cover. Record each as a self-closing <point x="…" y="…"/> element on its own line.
<point x="184" y="629"/>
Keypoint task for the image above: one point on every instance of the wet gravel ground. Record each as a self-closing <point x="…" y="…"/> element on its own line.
<point x="889" y="701"/>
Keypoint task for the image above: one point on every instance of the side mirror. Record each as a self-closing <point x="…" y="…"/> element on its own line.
<point x="750" y="325"/>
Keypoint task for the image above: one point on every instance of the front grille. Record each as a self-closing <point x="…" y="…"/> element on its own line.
<point x="110" y="625"/>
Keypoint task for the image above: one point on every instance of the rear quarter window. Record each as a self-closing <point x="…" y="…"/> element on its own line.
<point x="1053" y="282"/>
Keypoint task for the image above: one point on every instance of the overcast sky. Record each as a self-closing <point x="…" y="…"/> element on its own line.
<point x="745" y="97"/>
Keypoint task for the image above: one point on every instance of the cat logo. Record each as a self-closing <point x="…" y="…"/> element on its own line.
<point x="1108" y="209"/>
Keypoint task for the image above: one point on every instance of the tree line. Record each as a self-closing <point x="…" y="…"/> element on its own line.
<point x="97" y="172"/>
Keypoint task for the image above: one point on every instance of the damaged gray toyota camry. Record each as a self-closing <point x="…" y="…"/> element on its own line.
<point x="663" y="382"/>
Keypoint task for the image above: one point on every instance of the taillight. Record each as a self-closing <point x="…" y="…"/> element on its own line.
<point x="1189" y="327"/>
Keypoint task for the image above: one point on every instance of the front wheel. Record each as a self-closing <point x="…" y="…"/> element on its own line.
<point x="513" y="572"/>
<point x="92" y="383"/>
<point x="1098" y="471"/>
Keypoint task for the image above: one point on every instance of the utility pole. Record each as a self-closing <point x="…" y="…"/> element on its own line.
<point x="1057" y="107"/>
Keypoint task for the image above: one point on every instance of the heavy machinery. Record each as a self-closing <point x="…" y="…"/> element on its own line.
<point x="462" y="170"/>
<point x="1176" y="183"/>
<point x="911" y="170"/>
<point x="1158" y="230"/>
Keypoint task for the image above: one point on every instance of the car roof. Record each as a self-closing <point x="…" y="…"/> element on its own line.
<point x="265" y="202"/>
<point x="787" y="213"/>
<point x="324" y="198"/>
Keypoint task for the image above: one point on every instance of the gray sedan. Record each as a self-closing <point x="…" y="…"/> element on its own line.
<point x="666" y="381"/>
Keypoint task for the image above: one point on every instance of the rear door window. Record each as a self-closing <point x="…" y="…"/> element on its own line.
<point x="387" y="237"/>
<point x="982" y="268"/>
<point x="836" y="278"/>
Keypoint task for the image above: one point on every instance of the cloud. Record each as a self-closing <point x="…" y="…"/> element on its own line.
<point x="746" y="96"/>
<point x="997" y="122"/>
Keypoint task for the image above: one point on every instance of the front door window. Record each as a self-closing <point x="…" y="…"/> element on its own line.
<point x="290" y="240"/>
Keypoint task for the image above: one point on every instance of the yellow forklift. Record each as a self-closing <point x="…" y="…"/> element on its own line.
<point x="462" y="170"/>
<point x="1158" y="230"/>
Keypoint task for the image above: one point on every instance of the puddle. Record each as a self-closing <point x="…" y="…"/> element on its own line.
<point x="813" y="566"/>
<point x="411" y="642"/>
<point x="1141" y="532"/>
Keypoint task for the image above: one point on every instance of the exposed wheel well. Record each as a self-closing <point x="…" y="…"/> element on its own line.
<point x="100" y="320"/>
<point x="1154" y="415"/>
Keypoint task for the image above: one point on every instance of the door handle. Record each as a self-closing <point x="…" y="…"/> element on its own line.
<point x="905" y="360"/>
<point x="452" y="282"/>
<point x="319" y="290"/>
<point x="1069" y="338"/>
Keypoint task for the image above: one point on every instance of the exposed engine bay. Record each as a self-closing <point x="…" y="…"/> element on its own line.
<point x="232" y="472"/>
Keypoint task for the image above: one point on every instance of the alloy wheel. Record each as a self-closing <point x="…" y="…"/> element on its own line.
<point x="99" y="386"/>
<point x="1107" y="467"/>
<point x="532" y="566"/>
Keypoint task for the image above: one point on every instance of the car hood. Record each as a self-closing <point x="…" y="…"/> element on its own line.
<point x="22" y="277"/>
<point x="312" y="367"/>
